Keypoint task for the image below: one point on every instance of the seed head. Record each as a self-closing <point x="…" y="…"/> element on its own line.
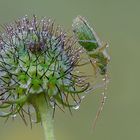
<point x="38" y="57"/>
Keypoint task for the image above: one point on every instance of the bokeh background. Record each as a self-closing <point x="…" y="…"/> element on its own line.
<point x="116" y="21"/>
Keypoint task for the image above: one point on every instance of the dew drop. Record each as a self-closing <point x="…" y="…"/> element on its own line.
<point x="77" y="71"/>
<point x="107" y="45"/>
<point x="14" y="116"/>
<point x="49" y="20"/>
<point x="103" y="93"/>
<point x="82" y="97"/>
<point x="87" y="92"/>
<point x="103" y="79"/>
<point x="94" y="61"/>
<point x="52" y="104"/>
<point x="105" y="97"/>
<point x="76" y="107"/>
<point x="26" y="16"/>
<point x="30" y="28"/>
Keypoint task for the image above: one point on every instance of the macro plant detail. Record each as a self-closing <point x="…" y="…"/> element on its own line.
<point x="40" y="67"/>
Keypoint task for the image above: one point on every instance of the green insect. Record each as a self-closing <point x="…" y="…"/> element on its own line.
<point x="96" y="50"/>
<point x="88" y="39"/>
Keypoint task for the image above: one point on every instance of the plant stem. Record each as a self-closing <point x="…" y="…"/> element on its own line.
<point x="45" y="112"/>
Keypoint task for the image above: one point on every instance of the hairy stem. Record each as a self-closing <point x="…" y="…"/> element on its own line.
<point x="45" y="115"/>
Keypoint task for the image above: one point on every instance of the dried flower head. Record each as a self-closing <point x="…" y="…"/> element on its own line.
<point x="37" y="58"/>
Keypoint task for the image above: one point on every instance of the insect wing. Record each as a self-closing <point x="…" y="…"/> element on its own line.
<point x="86" y="36"/>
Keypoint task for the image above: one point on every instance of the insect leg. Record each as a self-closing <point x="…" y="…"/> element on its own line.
<point x="102" y="100"/>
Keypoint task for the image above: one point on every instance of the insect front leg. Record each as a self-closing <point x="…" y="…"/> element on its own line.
<point x="94" y="65"/>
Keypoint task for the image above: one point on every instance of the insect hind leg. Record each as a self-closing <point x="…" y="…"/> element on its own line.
<point x="102" y="100"/>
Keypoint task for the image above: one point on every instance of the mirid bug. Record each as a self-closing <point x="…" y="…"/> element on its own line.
<point x="88" y="39"/>
<point x="96" y="51"/>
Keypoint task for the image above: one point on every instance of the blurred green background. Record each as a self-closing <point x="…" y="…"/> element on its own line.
<point x="116" y="21"/>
